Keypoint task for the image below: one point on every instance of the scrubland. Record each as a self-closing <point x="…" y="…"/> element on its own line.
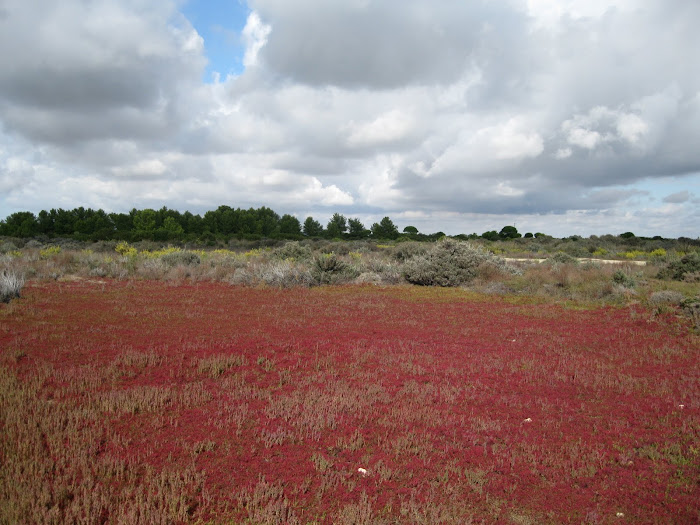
<point x="315" y="384"/>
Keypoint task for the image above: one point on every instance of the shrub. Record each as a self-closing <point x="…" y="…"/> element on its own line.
<point x="691" y="308"/>
<point x="658" y="255"/>
<point x="692" y="277"/>
<point x="405" y="250"/>
<point x="180" y="258"/>
<point x="676" y="270"/>
<point x="49" y="252"/>
<point x="328" y="268"/>
<point x="335" y="248"/>
<point x="666" y="297"/>
<point x="447" y="263"/>
<point x="285" y="274"/>
<point x="624" y="280"/>
<point x="8" y="247"/>
<point x="562" y="258"/>
<point x="125" y="250"/>
<point x="11" y="284"/>
<point x="292" y="250"/>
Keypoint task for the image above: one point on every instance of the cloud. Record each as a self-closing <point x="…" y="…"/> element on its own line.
<point x="447" y="111"/>
<point x="678" y="197"/>
<point x="255" y="35"/>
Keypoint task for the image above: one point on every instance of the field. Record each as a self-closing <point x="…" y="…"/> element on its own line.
<point x="161" y="402"/>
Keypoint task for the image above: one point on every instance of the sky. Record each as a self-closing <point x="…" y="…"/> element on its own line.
<point x="567" y="117"/>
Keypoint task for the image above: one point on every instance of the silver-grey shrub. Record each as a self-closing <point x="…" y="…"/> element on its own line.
<point x="285" y="274"/>
<point x="404" y="251"/>
<point x="666" y="298"/>
<point x="11" y="284"/>
<point x="448" y="263"/>
<point x="180" y="258"/>
<point x="292" y="250"/>
<point x="562" y="258"/>
<point x="7" y="247"/>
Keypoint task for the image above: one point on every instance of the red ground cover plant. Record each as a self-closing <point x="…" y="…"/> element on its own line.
<point x="148" y="402"/>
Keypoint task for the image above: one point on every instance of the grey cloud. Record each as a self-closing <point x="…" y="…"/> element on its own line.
<point x="678" y="197"/>
<point x="94" y="70"/>
<point x="385" y="44"/>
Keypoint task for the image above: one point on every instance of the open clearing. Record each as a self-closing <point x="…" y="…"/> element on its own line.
<point x="153" y="402"/>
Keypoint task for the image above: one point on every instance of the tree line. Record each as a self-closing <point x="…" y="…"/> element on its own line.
<point x="86" y="224"/>
<point x="166" y="225"/>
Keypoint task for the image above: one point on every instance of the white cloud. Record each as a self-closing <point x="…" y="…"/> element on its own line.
<point x="510" y="140"/>
<point x="581" y="137"/>
<point x="255" y="35"/>
<point x="602" y="125"/>
<point x="563" y="153"/>
<point x="152" y="167"/>
<point x="331" y="195"/>
<point x="631" y="127"/>
<point x="388" y="127"/>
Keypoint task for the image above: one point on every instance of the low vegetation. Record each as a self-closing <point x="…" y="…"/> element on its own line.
<point x="483" y="266"/>
<point x="354" y="382"/>
<point x="189" y="401"/>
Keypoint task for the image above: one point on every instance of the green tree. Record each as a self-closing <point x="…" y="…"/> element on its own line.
<point x="509" y="232"/>
<point x="357" y="230"/>
<point x="337" y="226"/>
<point x="144" y="220"/>
<point x="267" y="221"/>
<point x="173" y="227"/>
<point x="20" y="224"/>
<point x="385" y="229"/>
<point x="312" y="228"/>
<point x="490" y="235"/>
<point x="290" y="225"/>
<point x="193" y="223"/>
<point x="410" y="229"/>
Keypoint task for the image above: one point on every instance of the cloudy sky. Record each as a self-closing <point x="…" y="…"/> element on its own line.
<point x="561" y="116"/>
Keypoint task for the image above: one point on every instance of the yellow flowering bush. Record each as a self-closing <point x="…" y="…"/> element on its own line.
<point x="49" y="251"/>
<point x="125" y="250"/>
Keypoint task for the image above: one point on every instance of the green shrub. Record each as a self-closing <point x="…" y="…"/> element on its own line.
<point x="447" y="263"/>
<point x="624" y="280"/>
<point x="677" y="270"/>
<point x="328" y="268"/>
<point x="335" y="248"/>
<point x="180" y="258"/>
<point x="691" y="308"/>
